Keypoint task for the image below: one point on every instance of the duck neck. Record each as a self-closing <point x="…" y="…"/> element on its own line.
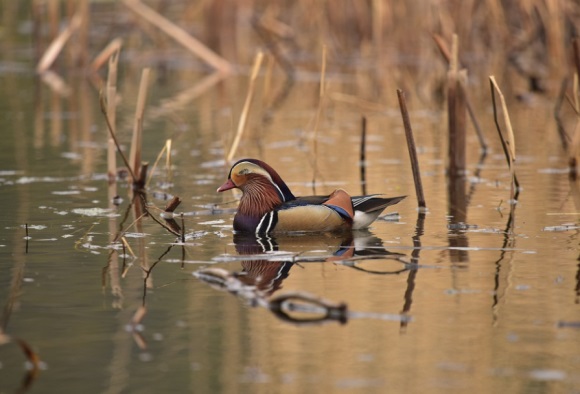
<point x="259" y="197"/>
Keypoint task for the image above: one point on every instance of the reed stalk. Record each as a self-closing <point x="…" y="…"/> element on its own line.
<point x="412" y="151"/>
<point x="173" y="204"/>
<point x="247" y="104"/>
<point x="111" y="92"/>
<point x="456" y="115"/>
<point x="564" y="137"/>
<point x="56" y="46"/>
<point x="114" y="137"/>
<point x="167" y="150"/>
<point x="81" y="43"/>
<point x="112" y="48"/>
<point x="321" y="97"/>
<point x="181" y="36"/>
<point x="363" y="159"/>
<point x="136" y="141"/>
<point x="508" y="144"/>
<point x="463" y="84"/>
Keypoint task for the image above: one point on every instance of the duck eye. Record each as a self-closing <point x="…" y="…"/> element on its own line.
<point x="244" y="171"/>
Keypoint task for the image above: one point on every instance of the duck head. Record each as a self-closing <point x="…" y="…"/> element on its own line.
<point x="262" y="188"/>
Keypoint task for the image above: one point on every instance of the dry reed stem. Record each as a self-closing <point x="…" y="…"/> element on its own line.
<point x="110" y="50"/>
<point x="267" y="89"/>
<point x="124" y="241"/>
<point x="412" y="151"/>
<point x="57" y="45"/>
<point x="139" y="315"/>
<point x="114" y="137"/>
<point x="112" y="90"/>
<point x="456" y="113"/>
<point x="173" y="204"/>
<point x="564" y="137"/>
<point x="135" y="155"/>
<point x="112" y="114"/>
<point x="440" y="41"/>
<point x="82" y="42"/>
<point x="32" y="357"/>
<point x="321" y="95"/>
<point x="111" y="163"/>
<point x="276" y="27"/>
<point x="377" y="24"/>
<point x="246" y="109"/>
<point x="576" y="46"/>
<point x="183" y="98"/>
<point x="478" y="131"/>
<point x="454" y="59"/>
<point x="168" y="172"/>
<point x="576" y="101"/>
<point x="363" y="160"/>
<point x="575" y="146"/>
<point x="166" y="149"/>
<point x="56" y="83"/>
<point x="509" y="144"/>
<point x="179" y="35"/>
<point x="447" y="55"/>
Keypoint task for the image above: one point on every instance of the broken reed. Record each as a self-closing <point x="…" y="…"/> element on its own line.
<point x="412" y="150"/>
<point x="168" y="174"/>
<point x="508" y="144"/>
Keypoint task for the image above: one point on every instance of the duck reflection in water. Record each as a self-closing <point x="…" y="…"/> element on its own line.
<point x="269" y="270"/>
<point x="266" y="262"/>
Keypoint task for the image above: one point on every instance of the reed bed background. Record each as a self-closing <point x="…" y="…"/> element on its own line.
<point x="438" y="54"/>
<point x="383" y="45"/>
<point x="526" y="43"/>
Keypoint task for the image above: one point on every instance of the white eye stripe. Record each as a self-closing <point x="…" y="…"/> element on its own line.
<point x="253" y="168"/>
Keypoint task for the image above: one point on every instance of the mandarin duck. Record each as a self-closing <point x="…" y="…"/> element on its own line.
<point x="268" y="206"/>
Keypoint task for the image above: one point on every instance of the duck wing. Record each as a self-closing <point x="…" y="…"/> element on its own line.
<point x="374" y="202"/>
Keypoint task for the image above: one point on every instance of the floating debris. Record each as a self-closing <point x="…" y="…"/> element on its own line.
<point x="568" y="324"/>
<point x="548" y="374"/>
<point x="461" y="226"/>
<point x="34" y="226"/>
<point x="135" y="235"/>
<point x="210" y="222"/>
<point x="563" y="227"/>
<point x="96" y="212"/>
<point x="66" y="192"/>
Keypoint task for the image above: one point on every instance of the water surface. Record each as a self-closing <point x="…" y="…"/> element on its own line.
<point x="457" y="301"/>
